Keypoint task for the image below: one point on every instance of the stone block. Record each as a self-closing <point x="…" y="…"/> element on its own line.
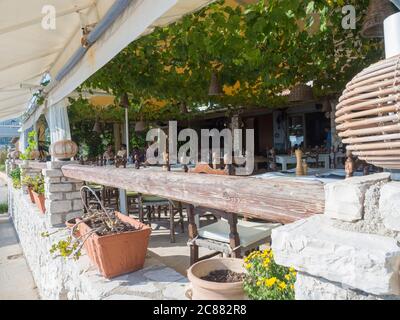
<point x="59" y="164"/>
<point x="344" y="200"/>
<point x="58" y="206"/>
<point x="77" y="186"/>
<point x="77" y="205"/>
<point x="365" y="262"/>
<point x="57" y="219"/>
<point x="60" y="187"/>
<point x="64" y="179"/>
<point x="308" y="287"/>
<point x="389" y="205"/>
<point x="52" y="180"/>
<point x="73" y="195"/>
<point x="52" y="173"/>
<point x="54" y="196"/>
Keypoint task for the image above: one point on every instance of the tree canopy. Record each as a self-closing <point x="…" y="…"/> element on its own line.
<point x="257" y="51"/>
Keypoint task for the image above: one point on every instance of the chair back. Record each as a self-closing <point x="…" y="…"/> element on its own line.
<point x="205" y="168"/>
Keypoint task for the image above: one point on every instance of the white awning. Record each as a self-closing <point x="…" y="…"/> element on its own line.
<point x="28" y="51"/>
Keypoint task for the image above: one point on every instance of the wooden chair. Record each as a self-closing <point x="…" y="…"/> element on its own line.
<point x="147" y="206"/>
<point x="223" y="237"/>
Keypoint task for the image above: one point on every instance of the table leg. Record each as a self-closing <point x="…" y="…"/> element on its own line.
<point x="123" y="203"/>
<point x="327" y="162"/>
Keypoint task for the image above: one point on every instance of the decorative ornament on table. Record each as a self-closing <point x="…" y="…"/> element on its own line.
<point x="299" y="163"/>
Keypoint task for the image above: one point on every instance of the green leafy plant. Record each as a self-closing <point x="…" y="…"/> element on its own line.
<point x="32" y="146"/>
<point x="38" y="184"/>
<point x="267" y="280"/>
<point x="3" y="208"/>
<point x="15" y="176"/>
<point x="27" y="181"/>
<point x="3" y="158"/>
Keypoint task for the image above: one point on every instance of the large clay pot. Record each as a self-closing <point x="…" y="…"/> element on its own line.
<point x="39" y="200"/>
<point x="209" y="290"/>
<point x="63" y="149"/>
<point x="70" y="224"/>
<point x="30" y="192"/>
<point x="119" y="253"/>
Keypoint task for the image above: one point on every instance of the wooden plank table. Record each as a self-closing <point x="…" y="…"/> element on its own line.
<point x="280" y="200"/>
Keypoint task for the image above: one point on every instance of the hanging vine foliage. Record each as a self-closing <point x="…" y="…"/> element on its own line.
<point x="257" y="51"/>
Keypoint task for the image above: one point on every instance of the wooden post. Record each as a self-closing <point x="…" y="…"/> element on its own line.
<point x="234" y="240"/>
<point x="192" y="230"/>
<point x="117" y="137"/>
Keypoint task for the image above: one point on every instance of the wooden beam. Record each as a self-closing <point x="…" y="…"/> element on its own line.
<point x="280" y="200"/>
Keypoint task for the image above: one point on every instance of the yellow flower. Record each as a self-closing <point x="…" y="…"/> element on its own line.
<point x="291" y="269"/>
<point x="270" y="282"/>
<point x="248" y="266"/>
<point x="259" y="283"/>
<point x="287" y="277"/>
<point x="282" y="285"/>
<point x="291" y="286"/>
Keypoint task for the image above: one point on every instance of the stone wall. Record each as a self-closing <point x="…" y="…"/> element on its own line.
<point x="63" y="198"/>
<point x="60" y="278"/>
<point x="352" y="251"/>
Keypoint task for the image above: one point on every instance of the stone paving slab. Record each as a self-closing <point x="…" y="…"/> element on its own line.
<point x="16" y="282"/>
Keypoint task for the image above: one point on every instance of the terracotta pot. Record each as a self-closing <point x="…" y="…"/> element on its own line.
<point x="30" y="192"/>
<point x="70" y="224"/>
<point x="209" y="290"/>
<point x="39" y="200"/>
<point x="120" y="253"/>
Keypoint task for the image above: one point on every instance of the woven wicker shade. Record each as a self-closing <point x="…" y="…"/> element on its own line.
<point x="378" y="11"/>
<point x="368" y="114"/>
<point x="301" y="92"/>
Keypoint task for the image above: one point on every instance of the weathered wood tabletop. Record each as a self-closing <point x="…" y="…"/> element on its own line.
<point x="281" y="200"/>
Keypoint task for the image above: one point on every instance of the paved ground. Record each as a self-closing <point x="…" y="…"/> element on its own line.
<point x="174" y="255"/>
<point x="16" y="282"/>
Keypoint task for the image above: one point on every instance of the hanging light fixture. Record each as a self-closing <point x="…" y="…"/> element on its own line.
<point x="215" y="87"/>
<point x="140" y="126"/>
<point x="97" y="127"/>
<point x="124" y="102"/>
<point x="378" y="11"/>
<point x="300" y="93"/>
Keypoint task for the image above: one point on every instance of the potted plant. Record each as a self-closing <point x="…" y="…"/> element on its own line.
<point x="266" y="280"/>
<point x="115" y="243"/>
<point x="217" y="279"/>
<point x="15" y="176"/>
<point x="38" y="192"/>
<point x="27" y="181"/>
<point x="31" y="152"/>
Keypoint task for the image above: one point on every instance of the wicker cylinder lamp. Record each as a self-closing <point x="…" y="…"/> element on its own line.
<point x="368" y="114"/>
